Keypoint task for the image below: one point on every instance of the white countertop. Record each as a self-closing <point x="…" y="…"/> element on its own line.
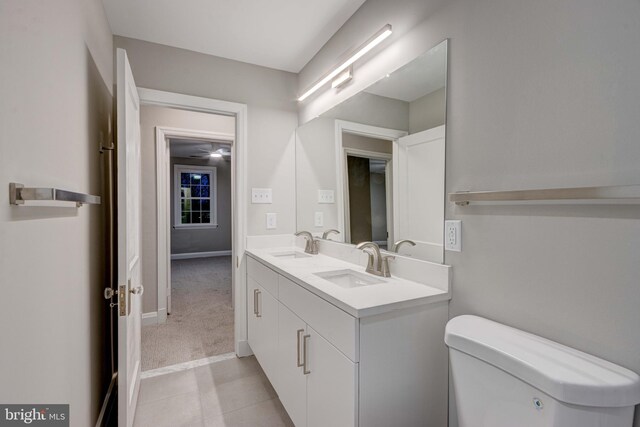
<point x="394" y="294"/>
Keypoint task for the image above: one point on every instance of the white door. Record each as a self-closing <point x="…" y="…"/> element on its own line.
<point x="332" y="393"/>
<point x="262" y="309"/>
<point x="292" y="382"/>
<point x="418" y="180"/>
<point x="129" y="286"/>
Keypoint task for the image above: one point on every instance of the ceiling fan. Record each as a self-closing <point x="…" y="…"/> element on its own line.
<point x="224" y="153"/>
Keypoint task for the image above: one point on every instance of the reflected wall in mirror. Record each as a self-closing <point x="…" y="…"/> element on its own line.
<point x="373" y="166"/>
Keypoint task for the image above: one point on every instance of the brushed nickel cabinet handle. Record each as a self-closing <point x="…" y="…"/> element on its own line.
<point x="258" y="314"/>
<point x="300" y="332"/>
<point x="305" y="362"/>
<point x="255" y="302"/>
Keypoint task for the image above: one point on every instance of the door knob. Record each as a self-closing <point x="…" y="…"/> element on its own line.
<point x="138" y="290"/>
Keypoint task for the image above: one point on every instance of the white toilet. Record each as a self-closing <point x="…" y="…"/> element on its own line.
<point x="504" y="377"/>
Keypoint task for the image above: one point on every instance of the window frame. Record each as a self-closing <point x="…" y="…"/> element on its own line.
<point x="178" y="170"/>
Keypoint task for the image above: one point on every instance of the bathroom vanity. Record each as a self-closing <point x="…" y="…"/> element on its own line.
<point x="343" y="347"/>
<point x="346" y="348"/>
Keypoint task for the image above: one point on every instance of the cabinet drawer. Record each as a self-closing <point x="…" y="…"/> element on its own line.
<point x="336" y="326"/>
<point x="266" y="277"/>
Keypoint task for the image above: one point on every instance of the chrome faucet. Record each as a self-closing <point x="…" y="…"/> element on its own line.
<point x="311" y="245"/>
<point x="396" y="245"/>
<point x="377" y="263"/>
<point x="325" y="235"/>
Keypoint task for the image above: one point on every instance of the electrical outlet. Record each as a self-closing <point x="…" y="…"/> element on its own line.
<point x="453" y="236"/>
<point x="272" y="222"/>
<point x="319" y="219"/>
<point x="261" y="195"/>
<point x="326" y="196"/>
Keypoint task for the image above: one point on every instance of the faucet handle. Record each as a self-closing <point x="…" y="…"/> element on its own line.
<point x="385" y="265"/>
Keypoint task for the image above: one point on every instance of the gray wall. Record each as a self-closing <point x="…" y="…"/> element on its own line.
<point x="208" y="239"/>
<point x="55" y="109"/>
<point x="374" y="110"/>
<point x="541" y="94"/>
<point x="359" y="142"/>
<point x="270" y="96"/>
<point x="428" y="112"/>
<point x="150" y="117"/>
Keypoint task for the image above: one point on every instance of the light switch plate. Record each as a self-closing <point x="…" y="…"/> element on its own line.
<point x="319" y="219"/>
<point x="261" y="195"/>
<point x="326" y="196"/>
<point x="453" y="236"/>
<point x="272" y="221"/>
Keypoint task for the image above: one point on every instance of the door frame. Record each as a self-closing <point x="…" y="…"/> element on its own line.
<point x="342" y="189"/>
<point x="238" y="192"/>
<point x="163" y="203"/>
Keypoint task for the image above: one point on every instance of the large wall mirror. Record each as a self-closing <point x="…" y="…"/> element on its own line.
<point x="373" y="166"/>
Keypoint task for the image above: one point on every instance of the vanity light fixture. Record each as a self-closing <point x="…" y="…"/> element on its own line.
<point x="215" y="155"/>
<point x="375" y="40"/>
<point x="342" y="78"/>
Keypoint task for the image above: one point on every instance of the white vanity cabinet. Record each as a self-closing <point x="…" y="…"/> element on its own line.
<point x="262" y="322"/>
<point x="330" y="368"/>
<point x="313" y="375"/>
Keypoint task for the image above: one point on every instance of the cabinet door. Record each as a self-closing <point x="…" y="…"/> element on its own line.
<point x="332" y="397"/>
<point x="291" y="383"/>
<point x="262" y="309"/>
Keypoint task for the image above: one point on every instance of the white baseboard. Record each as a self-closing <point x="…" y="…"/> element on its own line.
<point x="162" y="315"/>
<point x="243" y="349"/>
<point x="200" y="254"/>
<point x="150" y="318"/>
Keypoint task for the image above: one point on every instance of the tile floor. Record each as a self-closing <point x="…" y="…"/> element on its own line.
<point x="229" y="393"/>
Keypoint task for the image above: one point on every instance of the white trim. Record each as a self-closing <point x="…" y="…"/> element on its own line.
<point x="342" y="191"/>
<point x="150" y="318"/>
<point x="179" y="169"/>
<point x="178" y="367"/>
<point x="239" y="151"/>
<point x="243" y="349"/>
<point x="200" y="255"/>
<point x="367" y="154"/>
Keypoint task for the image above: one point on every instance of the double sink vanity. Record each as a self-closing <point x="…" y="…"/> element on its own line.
<point x="349" y="328"/>
<point x="343" y="347"/>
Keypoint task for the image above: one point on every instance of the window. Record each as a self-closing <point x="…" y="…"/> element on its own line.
<point x="195" y="196"/>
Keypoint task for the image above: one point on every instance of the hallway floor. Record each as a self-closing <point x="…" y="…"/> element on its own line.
<point x="229" y="393"/>
<point x="201" y="322"/>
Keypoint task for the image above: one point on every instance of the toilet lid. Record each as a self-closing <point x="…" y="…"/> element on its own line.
<point x="564" y="373"/>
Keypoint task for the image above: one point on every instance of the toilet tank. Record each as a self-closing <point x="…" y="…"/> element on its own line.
<point x="504" y="377"/>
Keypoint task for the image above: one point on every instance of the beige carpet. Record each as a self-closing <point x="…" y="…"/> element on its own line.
<point x="201" y="321"/>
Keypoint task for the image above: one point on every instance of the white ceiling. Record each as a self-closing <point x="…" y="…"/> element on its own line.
<point x="420" y="77"/>
<point x="281" y="34"/>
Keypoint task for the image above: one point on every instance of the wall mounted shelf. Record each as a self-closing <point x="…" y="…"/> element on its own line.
<point x="18" y="194"/>
<point x="463" y="198"/>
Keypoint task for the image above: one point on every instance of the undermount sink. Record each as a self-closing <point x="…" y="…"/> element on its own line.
<point x="349" y="278"/>
<point x="290" y="255"/>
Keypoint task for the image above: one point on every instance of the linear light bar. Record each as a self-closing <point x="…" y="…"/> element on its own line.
<point x="375" y="40"/>
<point x="342" y="78"/>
